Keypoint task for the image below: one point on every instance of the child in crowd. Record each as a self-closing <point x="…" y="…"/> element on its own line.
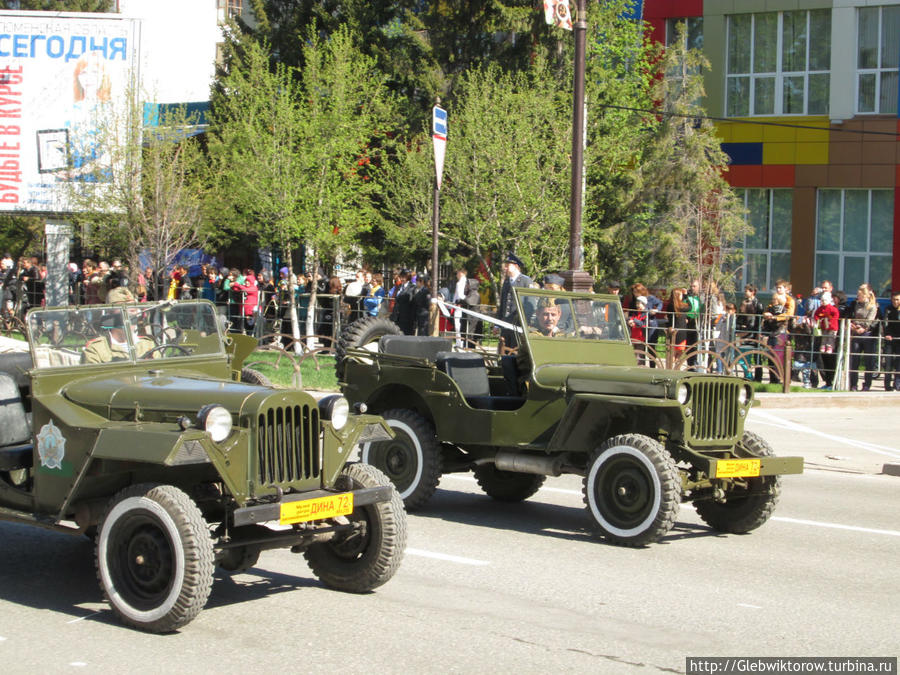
<point x="638" y="324"/>
<point x="826" y="318"/>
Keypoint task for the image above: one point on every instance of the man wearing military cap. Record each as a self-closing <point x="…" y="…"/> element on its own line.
<point x="112" y="345"/>
<point x="513" y="270"/>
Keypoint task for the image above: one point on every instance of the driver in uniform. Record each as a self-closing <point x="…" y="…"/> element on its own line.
<point x="547" y="318"/>
<point x="112" y="345"/>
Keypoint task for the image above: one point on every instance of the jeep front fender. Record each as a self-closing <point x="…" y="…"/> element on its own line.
<point x="590" y="418"/>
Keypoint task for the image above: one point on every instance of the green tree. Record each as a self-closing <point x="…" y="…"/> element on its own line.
<point x="694" y="214"/>
<point x="145" y="191"/>
<point x="292" y="151"/>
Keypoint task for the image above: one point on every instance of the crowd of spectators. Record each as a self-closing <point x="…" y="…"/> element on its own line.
<point x="690" y="319"/>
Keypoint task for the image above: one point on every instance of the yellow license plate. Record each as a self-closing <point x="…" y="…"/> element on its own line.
<point x="737" y="468"/>
<point x="316" y="509"/>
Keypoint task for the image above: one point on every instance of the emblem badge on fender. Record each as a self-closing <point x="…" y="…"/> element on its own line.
<point x="51" y="446"/>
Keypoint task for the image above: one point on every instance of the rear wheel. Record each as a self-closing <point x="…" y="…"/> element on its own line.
<point x="411" y="460"/>
<point x="507" y="486"/>
<point x="369" y="555"/>
<point x="154" y="557"/>
<point x="748" y="504"/>
<point x="632" y="490"/>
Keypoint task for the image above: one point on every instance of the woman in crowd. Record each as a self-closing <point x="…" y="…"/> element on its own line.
<point x="862" y="313"/>
<point x="775" y="323"/>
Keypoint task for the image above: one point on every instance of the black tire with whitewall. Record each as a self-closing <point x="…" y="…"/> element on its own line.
<point x="507" y="486"/>
<point x="412" y="460"/>
<point x="368" y="556"/>
<point x="632" y="490"/>
<point x="749" y="503"/>
<point x="155" y="557"/>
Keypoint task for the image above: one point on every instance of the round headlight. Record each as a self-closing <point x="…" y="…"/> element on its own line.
<point x="745" y="395"/>
<point x="336" y="409"/>
<point x="684" y="393"/>
<point x="216" y="421"/>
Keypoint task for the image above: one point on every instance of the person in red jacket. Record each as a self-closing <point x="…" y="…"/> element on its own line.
<point x="826" y="318"/>
<point x="250" y="289"/>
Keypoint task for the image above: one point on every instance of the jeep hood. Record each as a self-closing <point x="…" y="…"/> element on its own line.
<point x="166" y="393"/>
<point x="611" y="380"/>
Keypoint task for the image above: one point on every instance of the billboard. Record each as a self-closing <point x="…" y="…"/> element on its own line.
<point x="60" y="75"/>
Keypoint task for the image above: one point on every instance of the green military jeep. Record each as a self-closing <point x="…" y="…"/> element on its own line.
<point x="130" y="424"/>
<point x="572" y="400"/>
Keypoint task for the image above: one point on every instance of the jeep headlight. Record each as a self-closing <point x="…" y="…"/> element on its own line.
<point x="216" y="421"/>
<point x="745" y="394"/>
<point x="335" y="409"/>
<point x="684" y="393"/>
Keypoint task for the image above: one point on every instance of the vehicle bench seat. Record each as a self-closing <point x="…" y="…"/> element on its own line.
<point x="470" y="374"/>
<point x="423" y="347"/>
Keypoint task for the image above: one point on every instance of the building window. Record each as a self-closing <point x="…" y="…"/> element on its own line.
<point x="767" y="247"/>
<point x="774" y="68"/>
<point x="693" y="31"/>
<point x="878" y="34"/>
<point x="854" y="238"/>
<point x="229" y="9"/>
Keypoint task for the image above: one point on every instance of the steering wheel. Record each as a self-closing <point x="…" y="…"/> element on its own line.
<point x="160" y="334"/>
<point x="168" y="345"/>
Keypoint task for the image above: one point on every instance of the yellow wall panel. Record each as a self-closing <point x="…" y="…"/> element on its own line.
<point x="811" y="153"/>
<point x="779" y="153"/>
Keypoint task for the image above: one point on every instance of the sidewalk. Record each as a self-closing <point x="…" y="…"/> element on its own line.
<point x="820" y="399"/>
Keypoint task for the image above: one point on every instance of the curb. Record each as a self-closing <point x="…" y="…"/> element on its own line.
<point x="829" y="400"/>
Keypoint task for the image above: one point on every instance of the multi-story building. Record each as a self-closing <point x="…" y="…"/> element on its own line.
<point x="807" y="97"/>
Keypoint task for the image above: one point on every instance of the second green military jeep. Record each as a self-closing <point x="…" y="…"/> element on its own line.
<point x="572" y="400"/>
<point x="127" y="423"/>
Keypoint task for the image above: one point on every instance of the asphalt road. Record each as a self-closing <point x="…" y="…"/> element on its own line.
<point x="523" y="588"/>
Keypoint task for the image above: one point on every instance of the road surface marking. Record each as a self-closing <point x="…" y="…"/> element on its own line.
<point x="86" y="616"/>
<point x="773" y="420"/>
<point x="78" y="664"/>
<point x="447" y="557"/>
<point x="2" y="638"/>
<point x="743" y="604"/>
<point x="837" y="526"/>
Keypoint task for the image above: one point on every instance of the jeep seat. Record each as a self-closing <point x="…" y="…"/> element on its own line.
<point x="15" y="432"/>
<point x="470" y="374"/>
<point x="411" y="345"/>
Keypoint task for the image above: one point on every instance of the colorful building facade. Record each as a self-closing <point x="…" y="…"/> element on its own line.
<point x="806" y="94"/>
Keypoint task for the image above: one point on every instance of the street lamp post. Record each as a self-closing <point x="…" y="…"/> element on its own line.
<point x="576" y="279"/>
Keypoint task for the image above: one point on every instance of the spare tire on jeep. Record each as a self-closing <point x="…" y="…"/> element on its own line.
<point x="363" y="333"/>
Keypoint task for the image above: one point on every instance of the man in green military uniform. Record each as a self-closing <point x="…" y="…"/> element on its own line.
<point x="112" y="345"/>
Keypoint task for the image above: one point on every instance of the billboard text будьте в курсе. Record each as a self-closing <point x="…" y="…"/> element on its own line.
<point x="60" y="75"/>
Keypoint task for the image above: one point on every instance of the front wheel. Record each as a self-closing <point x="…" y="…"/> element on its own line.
<point x="411" y="460"/>
<point x="367" y="556"/>
<point x="748" y="504"/>
<point x="632" y="490"/>
<point x="154" y="557"/>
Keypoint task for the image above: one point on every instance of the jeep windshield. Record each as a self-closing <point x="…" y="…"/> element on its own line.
<point x="98" y="334"/>
<point x="568" y="316"/>
<point x="564" y="329"/>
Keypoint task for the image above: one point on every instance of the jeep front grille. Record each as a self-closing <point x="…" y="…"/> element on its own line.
<point x="287" y="442"/>
<point x="716" y="408"/>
